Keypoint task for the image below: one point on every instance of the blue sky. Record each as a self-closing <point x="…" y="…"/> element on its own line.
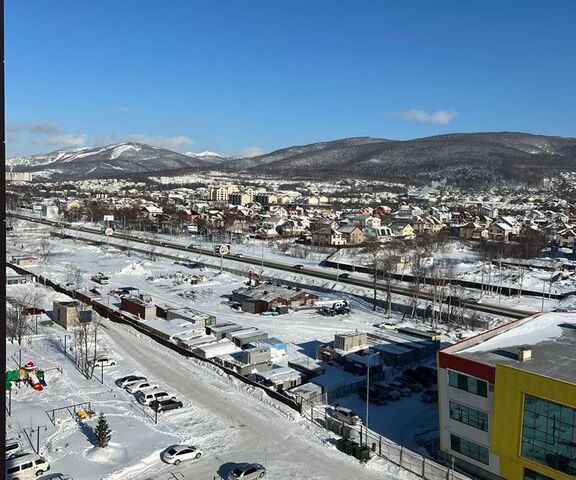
<point x="244" y="76"/>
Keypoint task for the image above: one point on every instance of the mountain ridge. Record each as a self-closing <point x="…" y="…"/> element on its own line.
<point x="467" y="158"/>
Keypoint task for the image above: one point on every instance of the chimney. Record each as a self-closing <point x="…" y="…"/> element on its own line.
<point x="524" y="353"/>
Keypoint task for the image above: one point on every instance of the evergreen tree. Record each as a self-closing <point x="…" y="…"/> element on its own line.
<point x="103" y="432"/>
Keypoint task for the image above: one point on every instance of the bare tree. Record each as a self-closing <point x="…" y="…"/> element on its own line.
<point x="383" y="259"/>
<point x="86" y="342"/>
<point x="45" y="250"/>
<point x="18" y="323"/>
<point x="73" y="275"/>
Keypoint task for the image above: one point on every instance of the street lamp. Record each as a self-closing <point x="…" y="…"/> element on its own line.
<point x="368" y="391"/>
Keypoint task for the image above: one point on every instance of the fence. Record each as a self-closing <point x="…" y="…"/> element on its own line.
<point x="381" y="446"/>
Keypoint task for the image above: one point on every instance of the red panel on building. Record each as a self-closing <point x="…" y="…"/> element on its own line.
<point x="467" y="366"/>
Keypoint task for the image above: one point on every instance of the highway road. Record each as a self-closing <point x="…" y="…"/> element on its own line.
<point x="484" y="307"/>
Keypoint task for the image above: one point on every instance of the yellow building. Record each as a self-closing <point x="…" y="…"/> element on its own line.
<point x="507" y="400"/>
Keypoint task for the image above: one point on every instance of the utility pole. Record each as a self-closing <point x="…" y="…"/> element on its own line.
<point x="262" y="262"/>
<point x="543" y="294"/>
<point x="368" y="392"/>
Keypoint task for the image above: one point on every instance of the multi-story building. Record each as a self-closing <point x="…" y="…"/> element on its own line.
<point x="507" y="400"/>
<point x="220" y="194"/>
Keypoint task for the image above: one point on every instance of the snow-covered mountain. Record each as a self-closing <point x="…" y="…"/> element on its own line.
<point x="464" y="158"/>
<point x="121" y="159"/>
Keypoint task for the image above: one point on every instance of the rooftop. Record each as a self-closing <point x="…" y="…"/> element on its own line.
<point x="550" y="336"/>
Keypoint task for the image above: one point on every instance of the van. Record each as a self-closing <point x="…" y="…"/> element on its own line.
<point x="25" y="466"/>
<point x="13" y="447"/>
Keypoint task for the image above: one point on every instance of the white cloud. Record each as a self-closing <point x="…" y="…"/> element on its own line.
<point x="45" y="127"/>
<point x="251" y="152"/>
<point x="68" y="140"/>
<point x="171" y="143"/>
<point x="440" y="116"/>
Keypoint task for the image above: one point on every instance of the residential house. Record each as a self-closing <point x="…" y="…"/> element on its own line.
<point x="328" y="236"/>
<point x="352" y="234"/>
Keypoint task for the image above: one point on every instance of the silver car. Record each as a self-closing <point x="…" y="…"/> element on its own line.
<point x="248" y="471"/>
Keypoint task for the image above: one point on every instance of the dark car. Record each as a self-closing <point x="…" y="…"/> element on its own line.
<point x="375" y="396"/>
<point x="165" y="405"/>
<point x="345" y="275"/>
<point x="430" y="395"/>
<point x="419" y="377"/>
<point x="410" y="383"/>
<point x="430" y="372"/>
<point x="298" y="267"/>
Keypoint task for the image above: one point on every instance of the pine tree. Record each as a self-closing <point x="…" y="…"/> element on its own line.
<point x="103" y="432"/>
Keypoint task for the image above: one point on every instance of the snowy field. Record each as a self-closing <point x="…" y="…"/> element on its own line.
<point x="230" y="421"/>
<point x="213" y="424"/>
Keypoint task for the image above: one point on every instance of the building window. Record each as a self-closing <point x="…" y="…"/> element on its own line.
<point x="469" y="416"/>
<point x="532" y="475"/>
<point x="467" y="383"/>
<point x="549" y="434"/>
<point x="469" y="449"/>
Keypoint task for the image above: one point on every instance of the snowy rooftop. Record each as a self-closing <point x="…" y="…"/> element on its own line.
<point x="550" y="336"/>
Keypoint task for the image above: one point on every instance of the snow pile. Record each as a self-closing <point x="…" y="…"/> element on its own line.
<point x="135" y="269"/>
<point x="113" y="454"/>
<point x="531" y="332"/>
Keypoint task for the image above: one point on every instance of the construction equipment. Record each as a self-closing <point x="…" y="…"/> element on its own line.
<point x="337" y="308"/>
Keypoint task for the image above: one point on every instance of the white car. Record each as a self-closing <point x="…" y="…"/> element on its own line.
<point x="249" y="471"/>
<point x="147" y="397"/>
<point x="180" y="453"/>
<point x="125" y="381"/>
<point x="346" y="415"/>
<point x="140" y="387"/>
<point x="13" y="447"/>
<point x="103" y="362"/>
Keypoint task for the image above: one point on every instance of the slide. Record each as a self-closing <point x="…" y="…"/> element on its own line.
<point x="35" y="382"/>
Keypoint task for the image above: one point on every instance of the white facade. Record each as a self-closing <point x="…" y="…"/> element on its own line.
<point x="448" y="426"/>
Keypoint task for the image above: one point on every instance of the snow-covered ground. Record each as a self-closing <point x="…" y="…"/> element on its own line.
<point x="230" y="421"/>
<point x="407" y="421"/>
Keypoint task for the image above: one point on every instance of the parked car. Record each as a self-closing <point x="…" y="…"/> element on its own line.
<point x="419" y="377"/>
<point x="139" y="387"/>
<point x="410" y="383"/>
<point x="375" y="396"/>
<point x="25" y="465"/>
<point x="103" y="362"/>
<point x="13" y="447"/>
<point x="250" y="471"/>
<point x="403" y="389"/>
<point x="345" y="275"/>
<point x="55" y="476"/>
<point x="165" y="405"/>
<point x="346" y="415"/>
<point x="390" y="392"/>
<point x="180" y="453"/>
<point x="430" y="395"/>
<point x="298" y="267"/>
<point x="147" y="397"/>
<point x="430" y="372"/>
<point x="125" y="381"/>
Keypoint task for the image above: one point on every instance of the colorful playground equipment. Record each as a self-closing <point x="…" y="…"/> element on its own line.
<point x="28" y="374"/>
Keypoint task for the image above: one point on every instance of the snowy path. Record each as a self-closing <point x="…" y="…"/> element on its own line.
<point x="262" y="433"/>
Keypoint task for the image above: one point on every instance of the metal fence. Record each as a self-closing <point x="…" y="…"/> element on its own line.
<point x="381" y="446"/>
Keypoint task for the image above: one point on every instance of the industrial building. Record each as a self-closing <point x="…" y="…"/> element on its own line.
<point x="507" y="400"/>
<point x="69" y="314"/>
<point x="266" y="298"/>
<point x="138" y="307"/>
